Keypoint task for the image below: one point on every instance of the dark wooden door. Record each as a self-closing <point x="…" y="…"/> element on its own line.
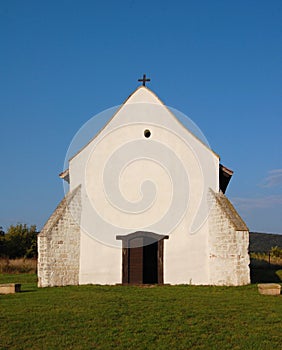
<point x="142" y="258"/>
<point x="143" y="261"/>
<point x="135" y="263"/>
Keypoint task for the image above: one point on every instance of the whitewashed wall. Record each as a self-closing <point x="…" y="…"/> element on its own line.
<point x="185" y="254"/>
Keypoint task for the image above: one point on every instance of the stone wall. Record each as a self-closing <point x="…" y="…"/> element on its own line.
<point x="228" y="244"/>
<point x="59" y="244"/>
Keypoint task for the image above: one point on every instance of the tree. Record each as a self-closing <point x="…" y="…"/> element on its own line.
<point x="2" y="241"/>
<point x="20" y="241"/>
<point x="276" y="252"/>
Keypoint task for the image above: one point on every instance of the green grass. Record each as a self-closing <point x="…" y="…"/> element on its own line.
<point x="124" y="317"/>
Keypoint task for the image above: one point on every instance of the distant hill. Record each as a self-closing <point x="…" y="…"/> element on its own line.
<point x="263" y="242"/>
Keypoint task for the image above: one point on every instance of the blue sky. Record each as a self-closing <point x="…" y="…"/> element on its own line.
<point x="219" y="62"/>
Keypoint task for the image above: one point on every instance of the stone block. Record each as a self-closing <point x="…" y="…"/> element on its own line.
<point x="269" y="288"/>
<point x="10" y="288"/>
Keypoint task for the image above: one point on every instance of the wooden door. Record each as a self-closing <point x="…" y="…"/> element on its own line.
<point x="135" y="261"/>
<point x="142" y="258"/>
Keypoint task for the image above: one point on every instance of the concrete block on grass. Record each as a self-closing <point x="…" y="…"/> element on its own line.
<point x="269" y="288"/>
<point x="10" y="288"/>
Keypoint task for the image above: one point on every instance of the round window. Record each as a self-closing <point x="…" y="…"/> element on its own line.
<point x="147" y="133"/>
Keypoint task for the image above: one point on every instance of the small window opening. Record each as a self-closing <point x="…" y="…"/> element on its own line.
<point x="147" y="133"/>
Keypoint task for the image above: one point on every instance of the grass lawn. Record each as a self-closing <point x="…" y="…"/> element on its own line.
<point x="123" y="317"/>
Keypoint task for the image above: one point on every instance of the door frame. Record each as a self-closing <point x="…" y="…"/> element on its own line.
<point x="125" y="253"/>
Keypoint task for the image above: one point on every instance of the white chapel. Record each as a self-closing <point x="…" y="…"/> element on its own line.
<point x="146" y="204"/>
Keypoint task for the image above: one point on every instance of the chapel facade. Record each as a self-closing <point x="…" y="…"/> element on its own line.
<point x="146" y="204"/>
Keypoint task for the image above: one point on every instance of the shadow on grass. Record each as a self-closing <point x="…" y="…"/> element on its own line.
<point x="28" y="291"/>
<point x="263" y="272"/>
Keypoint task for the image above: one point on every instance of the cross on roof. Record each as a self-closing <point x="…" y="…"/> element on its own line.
<point x="144" y="79"/>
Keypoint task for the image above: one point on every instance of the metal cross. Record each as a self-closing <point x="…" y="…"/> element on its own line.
<point x="144" y="79"/>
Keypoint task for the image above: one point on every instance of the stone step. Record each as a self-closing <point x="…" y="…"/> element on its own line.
<point x="10" y="288"/>
<point x="269" y="288"/>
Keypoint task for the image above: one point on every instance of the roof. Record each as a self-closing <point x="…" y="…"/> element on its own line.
<point x="227" y="207"/>
<point x="59" y="211"/>
<point x="225" y="175"/>
<point x="65" y="175"/>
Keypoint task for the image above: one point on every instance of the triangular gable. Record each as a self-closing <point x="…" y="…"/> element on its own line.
<point x="142" y="95"/>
